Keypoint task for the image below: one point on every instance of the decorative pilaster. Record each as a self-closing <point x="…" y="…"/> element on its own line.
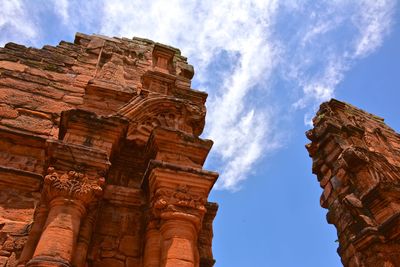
<point x="177" y="198"/>
<point x="85" y="236"/>
<point x="40" y="216"/>
<point x="178" y="189"/>
<point x="206" y="236"/>
<point x="73" y="186"/>
<point x="68" y="196"/>
<point x="152" y="249"/>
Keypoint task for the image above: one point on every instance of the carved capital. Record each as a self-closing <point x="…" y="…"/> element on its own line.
<point x="72" y="185"/>
<point x="179" y="204"/>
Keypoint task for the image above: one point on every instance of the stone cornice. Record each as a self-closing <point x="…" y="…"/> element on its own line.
<point x="69" y="157"/>
<point x="85" y="128"/>
<point x="20" y="179"/>
<point x="145" y="112"/>
<point x="177" y="147"/>
<point x="184" y="174"/>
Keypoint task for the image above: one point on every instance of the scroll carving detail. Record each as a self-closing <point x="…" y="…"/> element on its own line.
<point x="180" y="198"/>
<point x="73" y="184"/>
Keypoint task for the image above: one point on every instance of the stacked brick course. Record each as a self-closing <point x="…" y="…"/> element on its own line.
<point x="100" y="156"/>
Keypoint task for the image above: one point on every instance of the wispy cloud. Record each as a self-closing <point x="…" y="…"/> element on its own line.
<point x="325" y="41"/>
<point x="374" y="22"/>
<point x="332" y="38"/>
<point x="204" y="31"/>
<point x="61" y="9"/>
<point x="246" y="54"/>
<point x="77" y="15"/>
<point x="16" y="23"/>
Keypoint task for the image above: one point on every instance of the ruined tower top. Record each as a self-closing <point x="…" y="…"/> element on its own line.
<point x="356" y="158"/>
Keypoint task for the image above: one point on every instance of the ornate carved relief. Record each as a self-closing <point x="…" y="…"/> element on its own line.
<point x="102" y="75"/>
<point x="158" y="82"/>
<point x="72" y="184"/>
<point x="181" y="198"/>
<point x="146" y="113"/>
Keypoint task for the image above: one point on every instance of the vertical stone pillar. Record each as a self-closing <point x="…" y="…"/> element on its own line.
<point x="87" y="142"/>
<point x="84" y="239"/>
<point x="206" y="236"/>
<point x="178" y="189"/>
<point x="152" y="249"/>
<point x="177" y="198"/>
<point x="179" y="240"/>
<point x="35" y="233"/>
<point x="68" y="196"/>
<point x="356" y="158"/>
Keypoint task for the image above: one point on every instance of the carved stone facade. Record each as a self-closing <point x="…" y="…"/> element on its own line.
<point x="100" y="156"/>
<point x="356" y="158"/>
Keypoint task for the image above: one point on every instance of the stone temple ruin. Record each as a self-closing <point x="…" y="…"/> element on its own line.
<point x="100" y="156"/>
<point x="356" y="158"/>
<point x="101" y="162"/>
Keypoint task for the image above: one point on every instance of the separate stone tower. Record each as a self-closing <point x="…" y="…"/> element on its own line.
<point x="356" y="158"/>
<point x="100" y="156"/>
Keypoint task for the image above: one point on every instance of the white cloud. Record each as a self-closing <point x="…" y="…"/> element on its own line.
<point x="76" y="15"/>
<point x="315" y="57"/>
<point x="374" y="21"/>
<point x="203" y="30"/>
<point x="61" y="8"/>
<point x="332" y="40"/>
<point x="16" y="24"/>
<point x="238" y="48"/>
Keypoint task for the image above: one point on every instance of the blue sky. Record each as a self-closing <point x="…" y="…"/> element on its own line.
<point x="266" y="65"/>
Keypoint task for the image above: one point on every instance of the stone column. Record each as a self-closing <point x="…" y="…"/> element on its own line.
<point x="85" y="236"/>
<point x="178" y="188"/>
<point x="40" y="216"/>
<point x="179" y="240"/>
<point x="177" y="198"/>
<point x="206" y="236"/>
<point x="69" y="195"/>
<point x="152" y="249"/>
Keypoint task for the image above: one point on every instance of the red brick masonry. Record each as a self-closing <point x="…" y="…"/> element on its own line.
<point x="100" y="156"/>
<point x="356" y="158"/>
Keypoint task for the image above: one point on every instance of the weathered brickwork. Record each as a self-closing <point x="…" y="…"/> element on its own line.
<point x="100" y="156"/>
<point x="356" y="158"/>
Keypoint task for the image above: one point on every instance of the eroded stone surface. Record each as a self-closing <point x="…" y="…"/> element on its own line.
<point x="100" y="156"/>
<point x="356" y="158"/>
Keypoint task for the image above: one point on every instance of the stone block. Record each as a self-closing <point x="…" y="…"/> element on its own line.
<point x="132" y="262"/>
<point x="109" y="262"/>
<point x="129" y="246"/>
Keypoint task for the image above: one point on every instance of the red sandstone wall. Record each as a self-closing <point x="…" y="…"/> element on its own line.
<point x="37" y="84"/>
<point x="356" y="158"/>
<point x="131" y="86"/>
